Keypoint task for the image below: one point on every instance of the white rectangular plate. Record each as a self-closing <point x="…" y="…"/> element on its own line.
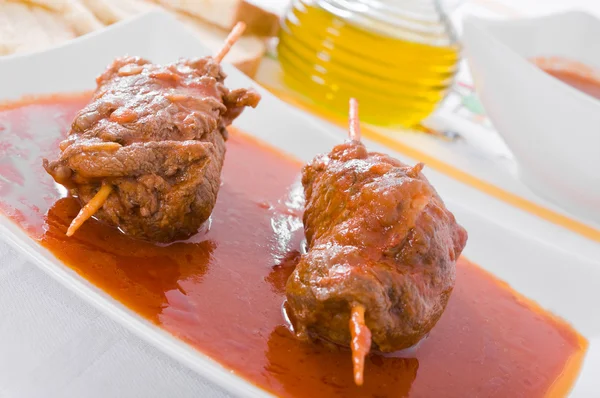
<point x="557" y="268"/>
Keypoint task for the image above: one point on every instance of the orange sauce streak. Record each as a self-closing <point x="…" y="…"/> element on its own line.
<point x="222" y="291"/>
<point x="588" y="86"/>
<point x="574" y="73"/>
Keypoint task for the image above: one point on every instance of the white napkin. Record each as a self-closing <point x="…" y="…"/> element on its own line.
<point x="54" y="344"/>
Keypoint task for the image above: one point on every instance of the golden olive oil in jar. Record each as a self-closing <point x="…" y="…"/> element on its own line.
<point x="398" y="58"/>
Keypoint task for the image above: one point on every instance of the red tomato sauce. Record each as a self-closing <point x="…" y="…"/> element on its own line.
<point x="574" y="79"/>
<point x="577" y="75"/>
<point x="222" y="291"/>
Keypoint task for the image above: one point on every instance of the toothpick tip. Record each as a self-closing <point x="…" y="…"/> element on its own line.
<point x="231" y="39"/>
<point x="353" y="121"/>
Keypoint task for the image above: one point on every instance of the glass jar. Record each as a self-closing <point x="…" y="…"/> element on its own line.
<point x="398" y="58"/>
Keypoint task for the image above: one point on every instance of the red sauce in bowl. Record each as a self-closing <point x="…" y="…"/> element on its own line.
<point x="222" y="292"/>
<point x="574" y="79"/>
<point x="575" y="74"/>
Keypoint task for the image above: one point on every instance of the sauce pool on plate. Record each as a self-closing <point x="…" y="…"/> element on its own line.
<point x="223" y="290"/>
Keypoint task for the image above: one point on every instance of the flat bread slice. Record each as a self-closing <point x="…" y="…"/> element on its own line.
<point x="52" y="26"/>
<point x="134" y="7"/>
<point x="80" y="17"/>
<point x="7" y="29"/>
<point x="25" y="28"/>
<point x="107" y="12"/>
<point x="261" y="16"/>
<point x="111" y="11"/>
<point x="77" y="15"/>
<point x="217" y="12"/>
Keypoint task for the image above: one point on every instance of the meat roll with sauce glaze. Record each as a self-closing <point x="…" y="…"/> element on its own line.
<point x="381" y="253"/>
<point x="155" y="135"/>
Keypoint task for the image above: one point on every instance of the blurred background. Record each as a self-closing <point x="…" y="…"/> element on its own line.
<point x="404" y="59"/>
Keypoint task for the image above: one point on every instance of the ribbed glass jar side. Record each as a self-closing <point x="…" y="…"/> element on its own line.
<point x="398" y="61"/>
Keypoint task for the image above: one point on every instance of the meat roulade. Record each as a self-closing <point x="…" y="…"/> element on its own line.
<point x="381" y="257"/>
<point x="145" y="155"/>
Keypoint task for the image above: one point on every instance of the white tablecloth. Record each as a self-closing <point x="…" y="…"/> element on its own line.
<point x="53" y="344"/>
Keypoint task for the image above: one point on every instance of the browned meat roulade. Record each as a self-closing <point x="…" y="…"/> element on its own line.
<point x="145" y="155"/>
<point x="382" y="248"/>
